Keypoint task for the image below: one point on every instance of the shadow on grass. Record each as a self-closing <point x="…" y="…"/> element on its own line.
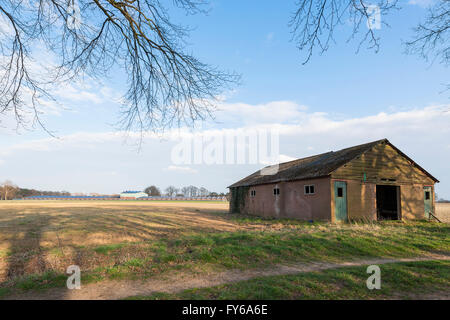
<point x="157" y="250"/>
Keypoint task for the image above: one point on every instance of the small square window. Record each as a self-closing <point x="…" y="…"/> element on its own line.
<point x="340" y="192"/>
<point x="309" y="189"/>
<point x="276" y="191"/>
<point x="427" y="195"/>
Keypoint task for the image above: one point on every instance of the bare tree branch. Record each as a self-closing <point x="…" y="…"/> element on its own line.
<point x="315" y="22"/>
<point x="431" y="39"/>
<point x="166" y="85"/>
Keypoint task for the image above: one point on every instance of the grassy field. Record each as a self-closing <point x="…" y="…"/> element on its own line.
<point x="411" y="280"/>
<point x="137" y="240"/>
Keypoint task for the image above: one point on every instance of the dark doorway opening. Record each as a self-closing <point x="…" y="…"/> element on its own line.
<point x="387" y="203"/>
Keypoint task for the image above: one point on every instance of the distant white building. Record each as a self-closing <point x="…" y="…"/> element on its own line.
<point x="133" y="194"/>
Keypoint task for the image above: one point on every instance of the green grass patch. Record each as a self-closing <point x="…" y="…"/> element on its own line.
<point x="42" y="281"/>
<point x="398" y="281"/>
<point x="243" y="249"/>
<point x="106" y="249"/>
<point x="135" y="262"/>
<point x="4" y="292"/>
<point x="259" y="249"/>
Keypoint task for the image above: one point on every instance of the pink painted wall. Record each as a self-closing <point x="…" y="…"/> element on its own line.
<point x="292" y="202"/>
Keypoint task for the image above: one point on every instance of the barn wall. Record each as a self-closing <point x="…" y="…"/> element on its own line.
<point x="238" y="199"/>
<point x="412" y="199"/>
<point x="292" y="202"/>
<point x="383" y="165"/>
<point x="361" y="200"/>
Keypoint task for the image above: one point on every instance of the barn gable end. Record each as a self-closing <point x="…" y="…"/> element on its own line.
<point x="385" y="164"/>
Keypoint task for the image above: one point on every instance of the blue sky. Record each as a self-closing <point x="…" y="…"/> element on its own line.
<point x="337" y="100"/>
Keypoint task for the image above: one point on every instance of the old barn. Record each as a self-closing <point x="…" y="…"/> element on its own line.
<point x="373" y="181"/>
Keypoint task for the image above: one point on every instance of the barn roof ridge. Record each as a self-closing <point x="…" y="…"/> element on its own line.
<point x="315" y="166"/>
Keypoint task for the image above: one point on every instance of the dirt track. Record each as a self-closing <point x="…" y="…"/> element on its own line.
<point x="112" y="290"/>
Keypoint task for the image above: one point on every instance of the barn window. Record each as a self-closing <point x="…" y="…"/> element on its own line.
<point x="427" y="195"/>
<point x="340" y="192"/>
<point x="253" y="193"/>
<point x="310" y="189"/>
<point x="276" y="191"/>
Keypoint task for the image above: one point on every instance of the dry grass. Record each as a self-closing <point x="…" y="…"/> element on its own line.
<point x="36" y="236"/>
<point x="140" y="239"/>
<point x="443" y="211"/>
<point x="61" y="229"/>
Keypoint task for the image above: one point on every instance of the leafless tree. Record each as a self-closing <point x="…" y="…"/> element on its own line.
<point x="194" y="191"/>
<point x="171" y="191"/>
<point x="166" y="85"/>
<point x="315" y="22"/>
<point x="432" y="37"/>
<point x="185" y="191"/>
<point x="190" y="191"/>
<point x="7" y="190"/>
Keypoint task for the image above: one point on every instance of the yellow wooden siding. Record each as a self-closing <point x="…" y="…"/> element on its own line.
<point x="382" y="162"/>
<point x="362" y="200"/>
<point x="412" y="200"/>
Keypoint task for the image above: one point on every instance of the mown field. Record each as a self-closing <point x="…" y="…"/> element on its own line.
<point x="443" y="211"/>
<point x="404" y="280"/>
<point x="134" y="240"/>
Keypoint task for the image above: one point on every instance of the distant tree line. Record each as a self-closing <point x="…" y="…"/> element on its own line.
<point x="188" y="191"/>
<point x="9" y="191"/>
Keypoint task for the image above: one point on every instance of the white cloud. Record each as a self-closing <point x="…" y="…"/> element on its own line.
<point x="421" y="3"/>
<point x="432" y="119"/>
<point x="181" y="169"/>
<point x="272" y="112"/>
<point x="421" y="133"/>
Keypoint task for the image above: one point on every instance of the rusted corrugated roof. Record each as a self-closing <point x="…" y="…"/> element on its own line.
<point x="311" y="167"/>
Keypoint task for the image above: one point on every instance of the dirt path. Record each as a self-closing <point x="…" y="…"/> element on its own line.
<point x="112" y="290"/>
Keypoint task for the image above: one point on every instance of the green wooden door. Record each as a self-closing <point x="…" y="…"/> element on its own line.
<point x="428" y="198"/>
<point x="340" y="200"/>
